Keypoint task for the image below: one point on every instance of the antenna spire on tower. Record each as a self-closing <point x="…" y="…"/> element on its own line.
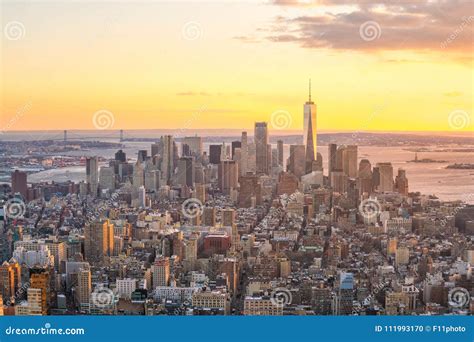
<point x="309" y="90"/>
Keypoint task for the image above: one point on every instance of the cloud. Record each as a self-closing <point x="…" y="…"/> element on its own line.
<point x="425" y="25"/>
<point x="453" y="94"/>
<point x="192" y="93"/>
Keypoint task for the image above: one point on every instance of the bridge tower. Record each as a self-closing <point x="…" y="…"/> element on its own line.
<point x="65" y="135"/>
<point x="121" y="135"/>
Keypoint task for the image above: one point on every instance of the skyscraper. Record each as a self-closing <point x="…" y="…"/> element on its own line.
<point x="215" y="152"/>
<point x="309" y="131"/>
<point x="401" y="182"/>
<point x="168" y="162"/>
<point x="228" y="175"/>
<point x="332" y="152"/>
<point x="296" y="161"/>
<point x="280" y="152"/>
<point x="261" y="146"/>
<point x="92" y="174"/>
<point x="349" y="161"/>
<point x="386" y="177"/>
<point x="244" y="154"/>
<point x="186" y="171"/>
<point x="98" y="240"/>
<point x="18" y="179"/>
<point x="195" y="145"/>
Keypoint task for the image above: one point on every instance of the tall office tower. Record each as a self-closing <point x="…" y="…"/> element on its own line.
<point x="375" y="178"/>
<point x="309" y="132"/>
<point x="296" y="161"/>
<point x="339" y="181"/>
<point x="340" y="158"/>
<point x="138" y="175"/>
<point x="250" y="194"/>
<point x="107" y="178"/>
<point x="332" y="152"/>
<point x="39" y="279"/>
<point x="228" y="217"/>
<point x="198" y="173"/>
<point x="141" y="197"/>
<point x="120" y="156"/>
<point x="215" y="152"/>
<point x="235" y="144"/>
<point x="365" y="177"/>
<point x="185" y="150"/>
<point x="200" y="192"/>
<point x="261" y="147"/>
<point x="169" y="159"/>
<point x="161" y="271"/>
<point x="226" y="152"/>
<point x="92" y="174"/>
<point x="349" y="161"/>
<point x="195" y="145"/>
<point x="269" y="158"/>
<point x="274" y="158"/>
<point x="401" y="182"/>
<point x="186" y="171"/>
<point x="83" y="288"/>
<point x="252" y="158"/>
<point x="98" y="240"/>
<point x="10" y="278"/>
<point x="142" y="156"/>
<point x="228" y="176"/>
<point x="244" y="154"/>
<point x="18" y="179"/>
<point x="345" y="296"/>
<point x="157" y="148"/>
<point x="280" y="152"/>
<point x="152" y="180"/>
<point x="209" y="216"/>
<point x="386" y="177"/>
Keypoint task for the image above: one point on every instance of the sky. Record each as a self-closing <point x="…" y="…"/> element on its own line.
<point x="374" y="65"/>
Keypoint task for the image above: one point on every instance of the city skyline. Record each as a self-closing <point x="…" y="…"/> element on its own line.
<point x="138" y="203"/>
<point x="162" y="65"/>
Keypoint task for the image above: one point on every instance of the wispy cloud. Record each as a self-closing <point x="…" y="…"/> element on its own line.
<point x="417" y="26"/>
<point x="192" y="93"/>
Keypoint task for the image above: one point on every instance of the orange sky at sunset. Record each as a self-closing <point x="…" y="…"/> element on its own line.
<point x="385" y="67"/>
